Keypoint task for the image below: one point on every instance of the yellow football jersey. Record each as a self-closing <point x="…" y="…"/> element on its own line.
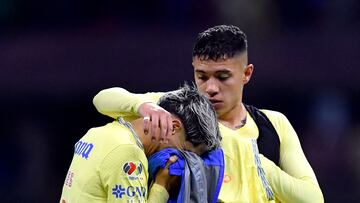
<point x="109" y="165"/>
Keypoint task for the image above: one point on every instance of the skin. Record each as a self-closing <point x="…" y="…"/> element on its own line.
<point x="222" y="81"/>
<point x="176" y="140"/>
<point x="156" y="118"/>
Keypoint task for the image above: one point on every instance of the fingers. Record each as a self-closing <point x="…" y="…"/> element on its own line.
<point x="154" y="127"/>
<point x="151" y="126"/>
<point x="146" y="124"/>
<point x="169" y="127"/>
<point x="163" y="177"/>
<point x="157" y="122"/>
<point x="171" y="160"/>
<point x="166" y="127"/>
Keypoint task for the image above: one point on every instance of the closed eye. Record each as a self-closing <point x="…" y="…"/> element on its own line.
<point x="223" y="76"/>
<point x="203" y="77"/>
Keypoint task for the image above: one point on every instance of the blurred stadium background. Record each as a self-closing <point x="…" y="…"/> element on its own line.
<point x="56" y="55"/>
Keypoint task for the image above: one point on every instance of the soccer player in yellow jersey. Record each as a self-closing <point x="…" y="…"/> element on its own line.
<point x="110" y="162"/>
<point x="221" y="70"/>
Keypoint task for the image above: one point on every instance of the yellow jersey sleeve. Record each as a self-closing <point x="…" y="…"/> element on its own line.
<point x="108" y="166"/>
<point x="123" y="173"/>
<point x="116" y="101"/>
<point x="157" y="193"/>
<point x="295" y="181"/>
<point x="125" y="178"/>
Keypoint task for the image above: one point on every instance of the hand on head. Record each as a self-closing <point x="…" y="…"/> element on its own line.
<point x="156" y="119"/>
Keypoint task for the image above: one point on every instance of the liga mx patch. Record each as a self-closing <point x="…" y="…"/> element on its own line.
<point x="133" y="169"/>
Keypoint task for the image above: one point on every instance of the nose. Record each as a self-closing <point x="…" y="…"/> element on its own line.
<point x="212" y="87"/>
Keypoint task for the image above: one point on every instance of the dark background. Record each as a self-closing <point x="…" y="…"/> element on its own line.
<point x="56" y="55"/>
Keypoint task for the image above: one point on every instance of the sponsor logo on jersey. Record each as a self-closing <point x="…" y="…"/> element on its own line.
<point x="133" y="169"/>
<point x="83" y="149"/>
<point x="130" y="192"/>
<point x="69" y="178"/>
<point x="227" y="178"/>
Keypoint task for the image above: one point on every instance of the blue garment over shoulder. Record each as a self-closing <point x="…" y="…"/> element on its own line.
<point x="201" y="177"/>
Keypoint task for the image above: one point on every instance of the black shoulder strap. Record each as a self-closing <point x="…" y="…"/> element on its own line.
<point x="268" y="140"/>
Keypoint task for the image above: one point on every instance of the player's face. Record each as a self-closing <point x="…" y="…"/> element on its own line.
<point x="222" y="81"/>
<point x="178" y="140"/>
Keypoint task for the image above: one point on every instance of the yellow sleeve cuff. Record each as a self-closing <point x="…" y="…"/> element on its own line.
<point x="158" y="194"/>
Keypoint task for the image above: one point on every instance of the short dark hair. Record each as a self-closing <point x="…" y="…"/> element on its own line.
<point x="196" y="113"/>
<point x="219" y="42"/>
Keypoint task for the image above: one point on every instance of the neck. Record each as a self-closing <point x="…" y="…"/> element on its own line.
<point x="234" y="117"/>
<point x="145" y="140"/>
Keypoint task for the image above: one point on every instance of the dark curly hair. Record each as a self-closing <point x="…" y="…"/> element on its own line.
<point x="219" y="42"/>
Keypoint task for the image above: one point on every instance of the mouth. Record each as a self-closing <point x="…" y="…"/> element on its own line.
<point x="214" y="101"/>
<point x="217" y="104"/>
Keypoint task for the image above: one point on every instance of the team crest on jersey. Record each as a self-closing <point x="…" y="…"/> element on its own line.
<point x="133" y="169"/>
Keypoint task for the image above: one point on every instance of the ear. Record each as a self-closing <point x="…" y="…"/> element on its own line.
<point x="248" y="73"/>
<point x="176" y="125"/>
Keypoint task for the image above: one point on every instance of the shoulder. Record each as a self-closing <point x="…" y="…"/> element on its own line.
<point x="109" y="137"/>
<point x="125" y="152"/>
<point x="121" y="157"/>
<point x="113" y="132"/>
<point x="281" y="124"/>
<point x="275" y="116"/>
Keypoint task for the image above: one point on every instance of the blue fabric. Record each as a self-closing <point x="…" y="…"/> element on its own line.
<point x="216" y="158"/>
<point x="182" y="167"/>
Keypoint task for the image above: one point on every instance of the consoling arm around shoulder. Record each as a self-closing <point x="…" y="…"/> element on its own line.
<point x="117" y="101"/>
<point x="294" y="181"/>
